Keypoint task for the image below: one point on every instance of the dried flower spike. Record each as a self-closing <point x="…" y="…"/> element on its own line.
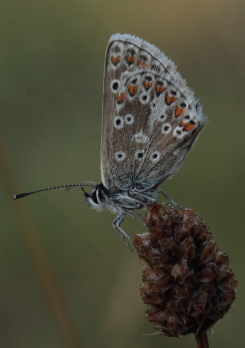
<point x="187" y="282"/>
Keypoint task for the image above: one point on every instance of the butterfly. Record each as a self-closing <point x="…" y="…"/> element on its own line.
<point x="150" y="121"/>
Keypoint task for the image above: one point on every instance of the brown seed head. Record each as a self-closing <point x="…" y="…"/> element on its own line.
<point x="187" y="282"/>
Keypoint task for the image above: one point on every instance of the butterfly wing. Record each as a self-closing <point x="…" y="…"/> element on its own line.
<point x="150" y="117"/>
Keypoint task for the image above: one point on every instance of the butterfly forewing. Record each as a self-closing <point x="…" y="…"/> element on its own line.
<point x="150" y="117"/>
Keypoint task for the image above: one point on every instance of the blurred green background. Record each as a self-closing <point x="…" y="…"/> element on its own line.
<point x="81" y="287"/>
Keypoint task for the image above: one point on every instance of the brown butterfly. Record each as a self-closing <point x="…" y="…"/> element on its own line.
<point x="150" y="121"/>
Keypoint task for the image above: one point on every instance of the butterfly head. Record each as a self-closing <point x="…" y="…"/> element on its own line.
<point x="98" y="198"/>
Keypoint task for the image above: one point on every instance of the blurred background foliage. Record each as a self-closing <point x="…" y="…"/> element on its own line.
<point x="67" y="279"/>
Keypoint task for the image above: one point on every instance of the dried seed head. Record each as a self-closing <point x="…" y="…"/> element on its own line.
<point x="187" y="283"/>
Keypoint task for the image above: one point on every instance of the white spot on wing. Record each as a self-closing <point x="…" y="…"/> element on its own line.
<point x="162" y="117"/>
<point x="129" y="119"/>
<point x="120" y="156"/>
<point x="118" y="122"/>
<point x="139" y="155"/>
<point x="114" y="86"/>
<point x="178" y="132"/>
<point x="140" y="138"/>
<point x="155" y="156"/>
<point x="144" y="98"/>
<point x="166" y="128"/>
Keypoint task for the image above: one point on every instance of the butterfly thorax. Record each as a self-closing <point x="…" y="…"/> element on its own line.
<point x="117" y="201"/>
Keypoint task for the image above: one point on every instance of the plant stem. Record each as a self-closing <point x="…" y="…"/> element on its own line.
<point x="202" y="339"/>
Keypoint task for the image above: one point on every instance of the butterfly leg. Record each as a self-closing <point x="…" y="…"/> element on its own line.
<point x="138" y="217"/>
<point x="116" y="224"/>
<point x="169" y="198"/>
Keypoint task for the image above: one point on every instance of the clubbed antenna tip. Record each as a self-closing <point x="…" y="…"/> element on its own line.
<point x="20" y="195"/>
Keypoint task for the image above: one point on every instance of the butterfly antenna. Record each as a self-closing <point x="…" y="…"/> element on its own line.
<point x="21" y="195"/>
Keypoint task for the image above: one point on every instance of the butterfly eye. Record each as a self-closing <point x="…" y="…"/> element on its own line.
<point x="94" y="196"/>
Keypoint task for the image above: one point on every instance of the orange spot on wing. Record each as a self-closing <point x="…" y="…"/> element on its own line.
<point x="147" y="84"/>
<point x="130" y="59"/>
<point x="183" y="124"/>
<point x="188" y="126"/>
<point x="121" y="97"/>
<point x="169" y="99"/>
<point x="142" y="64"/>
<point x="115" y="59"/>
<point x="160" y="89"/>
<point x="133" y="90"/>
<point x="179" y="111"/>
